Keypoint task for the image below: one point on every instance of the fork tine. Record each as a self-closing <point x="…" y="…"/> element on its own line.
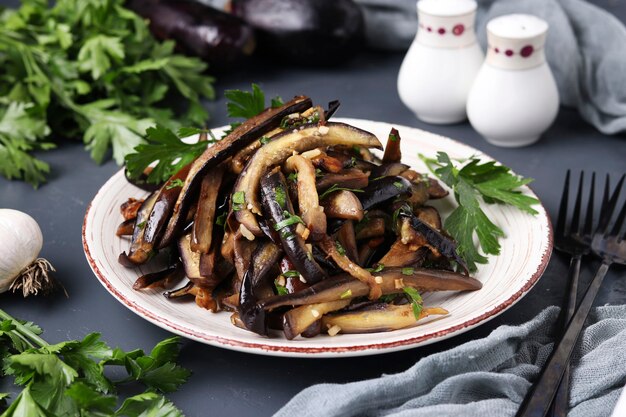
<point x="619" y="221"/>
<point x="587" y="229"/>
<point x="561" y="218"/>
<point x="575" y="224"/>
<point x="608" y="205"/>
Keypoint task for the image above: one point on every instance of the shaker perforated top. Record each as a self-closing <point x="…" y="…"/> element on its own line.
<point x="446" y="7"/>
<point x="516" y="41"/>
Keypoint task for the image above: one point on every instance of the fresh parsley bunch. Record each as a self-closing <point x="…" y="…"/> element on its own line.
<point x="68" y="378"/>
<point x="90" y="69"/>
<point x="471" y="182"/>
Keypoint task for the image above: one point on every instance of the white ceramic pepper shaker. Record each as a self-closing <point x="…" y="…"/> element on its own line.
<point x="514" y="98"/>
<point x="440" y="66"/>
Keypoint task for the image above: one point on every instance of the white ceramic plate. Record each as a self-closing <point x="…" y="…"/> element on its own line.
<point x="506" y="278"/>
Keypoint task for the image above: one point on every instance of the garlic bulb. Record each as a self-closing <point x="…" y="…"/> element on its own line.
<point x="20" y="243"/>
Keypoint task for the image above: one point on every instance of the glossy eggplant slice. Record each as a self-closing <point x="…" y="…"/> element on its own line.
<point x="256" y="284"/>
<point x="161" y="279"/>
<point x="308" y="200"/>
<point x="379" y="317"/>
<point x="130" y="207"/>
<point x="344" y="286"/>
<point x="374" y="227"/>
<point x="298" y="319"/>
<point x="126" y="228"/>
<point x="388" y="169"/>
<point x="343" y="204"/>
<point x="402" y="255"/>
<point x="347" y="239"/>
<point x="347" y="178"/>
<point x="327" y="163"/>
<point x="443" y="244"/>
<point x="163" y="208"/>
<point x="278" y="209"/>
<point x="204" y="220"/>
<point x="244" y="134"/>
<point x="382" y="190"/>
<point x="139" y="251"/>
<point x="430" y="216"/>
<point x="392" y="150"/>
<point x="282" y="147"/>
<point x="334" y="250"/>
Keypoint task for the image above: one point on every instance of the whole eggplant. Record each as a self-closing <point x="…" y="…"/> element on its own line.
<point x="311" y="32"/>
<point x="221" y="39"/>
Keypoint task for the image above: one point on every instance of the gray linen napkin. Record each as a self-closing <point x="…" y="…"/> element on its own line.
<point x="586" y="48"/>
<point x="486" y="377"/>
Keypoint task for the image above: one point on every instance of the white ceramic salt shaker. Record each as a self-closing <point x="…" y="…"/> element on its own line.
<point x="440" y="66"/>
<point x="514" y="98"/>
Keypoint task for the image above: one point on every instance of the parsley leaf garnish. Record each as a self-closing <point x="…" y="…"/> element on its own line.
<point x="245" y="104"/>
<point x="475" y="180"/>
<point x="416" y="300"/>
<point x="164" y="146"/>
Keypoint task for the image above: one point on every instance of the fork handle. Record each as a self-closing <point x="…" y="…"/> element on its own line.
<point x="537" y="402"/>
<point x="561" y="400"/>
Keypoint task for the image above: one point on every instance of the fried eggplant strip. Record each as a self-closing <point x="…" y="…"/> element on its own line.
<point x="308" y="200"/>
<point x="278" y="209"/>
<point x="329" y="246"/>
<point x="244" y="134"/>
<point x="204" y="220"/>
<point x="344" y="286"/>
<point x="278" y="150"/>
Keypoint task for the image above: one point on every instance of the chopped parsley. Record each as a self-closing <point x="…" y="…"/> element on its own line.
<point x="176" y="183"/>
<point x="221" y="219"/>
<point x="398" y="185"/>
<point x="239" y="199"/>
<point x="393" y="137"/>
<point x="280" y="289"/>
<point x="335" y="187"/>
<point x="407" y="271"/>
<point x="290" y="219"/>
<point x="292" y="273"/>
<point x="346" y="294"/>
<point x="378" y="268"/>
<point x="281" y="196"/>
<point x="293" y="177"/>
<point x="416" y="300"/>
<point x="264" y="140"/>
<point x="340" y="249"/>
<point x="142" y="224"/>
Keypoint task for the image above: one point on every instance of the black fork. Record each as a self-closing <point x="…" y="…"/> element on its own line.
<point x="574" y="239"/>
<point x="611" y="247"/>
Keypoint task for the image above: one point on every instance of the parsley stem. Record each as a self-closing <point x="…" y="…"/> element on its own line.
<point x="23" y="331"/>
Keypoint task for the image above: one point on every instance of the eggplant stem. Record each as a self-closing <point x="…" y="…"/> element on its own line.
<point x="35" y="278"/>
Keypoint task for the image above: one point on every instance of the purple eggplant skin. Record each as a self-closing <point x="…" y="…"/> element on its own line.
<point x="445" y="245"/>
<point x="264" y="260"/>
<point x="221" y="39"/>
<point x="278" y="209"/>
<point x="310" y="32"/>
<point x="383" y="189"/>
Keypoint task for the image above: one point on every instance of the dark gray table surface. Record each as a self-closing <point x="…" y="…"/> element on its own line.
<point x="233" y="383"/>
